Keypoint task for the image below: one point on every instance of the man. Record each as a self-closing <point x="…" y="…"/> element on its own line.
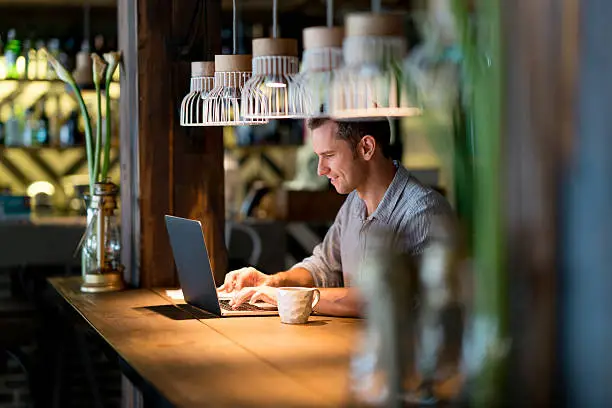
<point x="381" y="193"/>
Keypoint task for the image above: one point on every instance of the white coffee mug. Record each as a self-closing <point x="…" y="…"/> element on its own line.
<point x="295" y="304"/>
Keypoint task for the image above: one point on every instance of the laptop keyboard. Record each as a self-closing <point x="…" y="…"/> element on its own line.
<point x="245" y="307"/>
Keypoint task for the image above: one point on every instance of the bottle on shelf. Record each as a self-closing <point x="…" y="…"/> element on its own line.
<point x="12" y="129"/>
<point x="55" y="120"/>
<point x="42" y="133"/>
<point x="23" y="60"/>
<point x="82" y="73"/>
<point x="69" y="132"/>
<point x="54" y="50"/>
<point x="12" y="51"/>
<point x="41" y="60"/>
<point x="69" y="51"/>
<point x="31" y="61"/>
<point x="2" y="60"/>
<point x="99" y="44"/>
<point x="30" y="128"/>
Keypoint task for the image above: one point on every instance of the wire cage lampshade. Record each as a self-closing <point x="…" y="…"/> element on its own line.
<point x="371" y="83"/>
<point x="266" y="94"/>
<point x="310" y="89"/>
<point x="222" y="103"/>
<point x="202" y="81"/>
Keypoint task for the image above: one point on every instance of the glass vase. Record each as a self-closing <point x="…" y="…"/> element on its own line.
<point x="412" y="350"/>
<point x="88" y="259"/>
<point x="101" y="253"/>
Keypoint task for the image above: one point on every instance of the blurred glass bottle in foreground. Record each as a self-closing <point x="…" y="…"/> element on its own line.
<point x="411" y="352"/>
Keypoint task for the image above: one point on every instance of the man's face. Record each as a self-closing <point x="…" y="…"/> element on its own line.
<point x="337" y="160"/>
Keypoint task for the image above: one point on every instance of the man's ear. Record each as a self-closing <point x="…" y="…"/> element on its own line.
<point x="367" y="145"/>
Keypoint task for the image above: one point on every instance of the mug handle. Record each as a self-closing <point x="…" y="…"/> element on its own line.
<point x="316" y="297"/>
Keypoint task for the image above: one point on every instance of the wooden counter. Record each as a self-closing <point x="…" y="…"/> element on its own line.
<point x="204" y="361"/>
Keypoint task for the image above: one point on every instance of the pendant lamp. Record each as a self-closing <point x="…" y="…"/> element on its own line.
<point x="322" y="55"/>
<point x="192" y="106"/>
<point x="310" y="89"/>
<point x="222" y="104"/>
<point x="371" y="84"/>
<point x="267" y="94"/>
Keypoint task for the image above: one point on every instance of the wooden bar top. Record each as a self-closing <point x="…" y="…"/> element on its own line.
<point x="210" y="361"/>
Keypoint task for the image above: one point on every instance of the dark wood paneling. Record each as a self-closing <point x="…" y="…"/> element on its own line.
<point x="155" y="133"/>
<point x="180" y="170"/>
<point x="197" y="153"/>
<point x="296" y="205"/>
<point x="538" y="60"/>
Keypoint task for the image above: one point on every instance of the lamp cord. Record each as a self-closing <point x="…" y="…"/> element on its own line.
<point x="234" y="26"/>
<point x="330" y="13"/>
<point x="274" y="17"/>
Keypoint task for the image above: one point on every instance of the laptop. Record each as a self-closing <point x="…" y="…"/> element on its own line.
<point x="195" y="273"/>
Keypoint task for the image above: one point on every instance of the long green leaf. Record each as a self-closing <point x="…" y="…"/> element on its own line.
<point x="107" y="127"/>
<point x="88" y="135"/>
<point x="98" y="149"/>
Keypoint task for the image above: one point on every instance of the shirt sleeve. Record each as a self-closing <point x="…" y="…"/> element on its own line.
<point x="325" y="264"/>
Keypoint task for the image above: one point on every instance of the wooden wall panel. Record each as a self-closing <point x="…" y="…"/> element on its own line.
<point x="180" y="170"/>
<point x="197" y="154"/>
<point x="540" y="58"/>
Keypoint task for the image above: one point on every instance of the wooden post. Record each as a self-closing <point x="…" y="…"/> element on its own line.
<point x="166" y="168"/>
<point x="540" y="44"/>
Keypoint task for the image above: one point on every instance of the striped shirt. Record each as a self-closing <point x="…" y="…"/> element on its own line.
<point x="406" y="210"/>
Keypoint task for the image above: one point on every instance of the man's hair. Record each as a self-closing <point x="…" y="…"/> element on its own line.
<point x="352" y="132"/>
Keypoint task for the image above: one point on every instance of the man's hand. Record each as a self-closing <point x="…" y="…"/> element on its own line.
<point x="260" y="293"/>
<point x="244" y="277"/>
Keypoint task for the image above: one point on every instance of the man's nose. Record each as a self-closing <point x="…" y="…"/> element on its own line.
<point x="322" y="169"/>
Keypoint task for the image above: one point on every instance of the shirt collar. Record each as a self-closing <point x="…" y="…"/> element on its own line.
<point x="392" y="195"/>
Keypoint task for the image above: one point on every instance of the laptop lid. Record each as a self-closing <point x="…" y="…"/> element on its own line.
<point x="192" y="263"/>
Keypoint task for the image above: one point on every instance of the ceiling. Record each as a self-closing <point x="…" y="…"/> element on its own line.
<point x="64" y="18"/>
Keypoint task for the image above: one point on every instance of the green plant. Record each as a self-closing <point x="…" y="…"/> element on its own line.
<point x="482" y="70"/>
<point x="93" y="148"/>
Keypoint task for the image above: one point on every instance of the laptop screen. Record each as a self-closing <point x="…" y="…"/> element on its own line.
<point x="192" y="263"/>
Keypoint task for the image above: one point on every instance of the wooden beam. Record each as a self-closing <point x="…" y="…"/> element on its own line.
<point x="169" y="169"/>
<point x="539" y="62"/>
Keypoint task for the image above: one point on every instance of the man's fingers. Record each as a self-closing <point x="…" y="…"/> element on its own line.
<point x="228" y="283"/>
<point x="241" y="281"/>
<point x="245" y="278"/>
<point x="263" y="297"/>
<point x="243" y="296"/>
